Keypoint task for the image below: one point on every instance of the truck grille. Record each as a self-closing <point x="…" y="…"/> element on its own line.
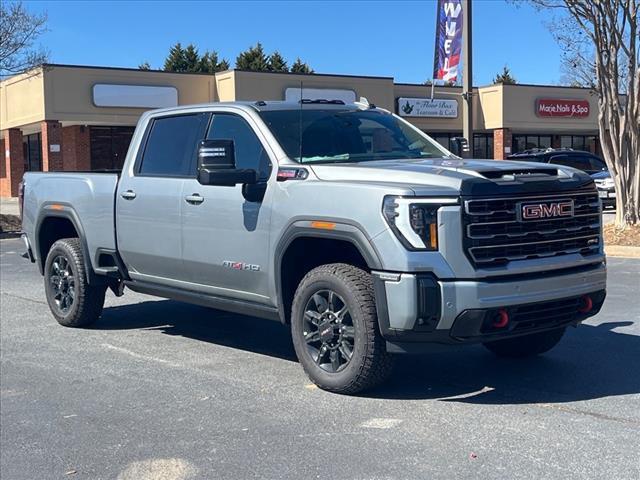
<point x="495" y="234"/>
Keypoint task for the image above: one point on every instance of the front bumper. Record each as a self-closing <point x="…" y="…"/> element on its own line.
<point x="422" y="309"/>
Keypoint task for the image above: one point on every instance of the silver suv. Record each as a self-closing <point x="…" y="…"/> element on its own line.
<point x="342" y="221"/>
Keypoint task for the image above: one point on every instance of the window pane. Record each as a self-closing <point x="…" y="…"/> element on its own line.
<point x="172" y="144"/>
<point x="518" y="143"/>
<point x="248" y="148"/>
<point x="565" y="141"/>
<point x="480" y="149"/>
<point x="596" y="164"/>
<point x="578" y="142"/>
<point x="545" y="141"/>
<point x="532" y="141"/>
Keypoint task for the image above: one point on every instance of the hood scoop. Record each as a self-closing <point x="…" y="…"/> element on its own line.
<point x="519" y="173"/>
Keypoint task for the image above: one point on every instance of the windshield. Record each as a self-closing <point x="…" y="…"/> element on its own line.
<point x="343" y="136"/>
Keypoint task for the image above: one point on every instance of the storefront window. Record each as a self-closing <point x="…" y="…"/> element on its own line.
<point x="483" y="145"/>
<point x="581" y="142"/>
<point x="520" y="143"/>
<point x="109" y="146"/>
<point x="31" y="149"/>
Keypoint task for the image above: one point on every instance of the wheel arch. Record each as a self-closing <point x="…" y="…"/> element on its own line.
<point x="55" y="222"/>
<point x="343" y="242"/>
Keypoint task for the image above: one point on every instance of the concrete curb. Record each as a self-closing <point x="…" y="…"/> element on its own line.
<point x="622" y="251"/>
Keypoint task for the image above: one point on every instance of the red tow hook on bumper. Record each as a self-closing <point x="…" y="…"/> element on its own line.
<point x="502" y="320"/>
<point x="586" y="304"/>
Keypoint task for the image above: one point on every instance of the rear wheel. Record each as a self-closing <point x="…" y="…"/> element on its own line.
<point x="526" y="346"/>
<point x="335" y="332"/>
<point x="73" y="302"/>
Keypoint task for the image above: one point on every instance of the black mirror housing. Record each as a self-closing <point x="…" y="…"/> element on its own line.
<point x="216" y="155"/>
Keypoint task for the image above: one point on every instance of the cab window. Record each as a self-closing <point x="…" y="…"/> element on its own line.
<point x="249" y="152"/>
<point x="171" y="145"/>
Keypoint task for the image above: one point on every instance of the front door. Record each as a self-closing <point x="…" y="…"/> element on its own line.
<point x="225" y="237"/>
<point x="149" y="199"/>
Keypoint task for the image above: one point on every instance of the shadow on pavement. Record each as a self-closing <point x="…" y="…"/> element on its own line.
<point x="590" y="362"/>
<point x="204" y="324"/>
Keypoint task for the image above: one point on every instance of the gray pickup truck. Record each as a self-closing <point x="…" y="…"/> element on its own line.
<point x="342" y="221"/>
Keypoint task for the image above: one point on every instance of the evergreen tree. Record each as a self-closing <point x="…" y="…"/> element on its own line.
<point x="209" y="63"/>
<point x="144" y="66"/>
<point x="300" y="67"/>
<point x="253" y="59"/>
<point x="176" y="60"/>
<point x="277" y="63"/>
<point x="192" y="59"/>
<point x="505" y="77"/>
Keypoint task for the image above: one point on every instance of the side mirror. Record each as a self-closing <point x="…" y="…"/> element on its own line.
<point x="217" y="165"/>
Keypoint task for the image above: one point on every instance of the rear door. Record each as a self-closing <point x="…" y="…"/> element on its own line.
<point x="149" y="199"/>
<point x="225" y="237"/>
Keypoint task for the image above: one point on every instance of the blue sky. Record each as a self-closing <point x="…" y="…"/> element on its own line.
<point x="363" y="38"/>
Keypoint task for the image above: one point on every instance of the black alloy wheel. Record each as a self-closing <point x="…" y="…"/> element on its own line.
<point x="329" y="331"/>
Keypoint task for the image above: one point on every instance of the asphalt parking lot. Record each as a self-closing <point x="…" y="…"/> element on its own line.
<point x="163" y="390"/>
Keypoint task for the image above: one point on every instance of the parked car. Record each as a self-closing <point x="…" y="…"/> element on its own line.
<point x="606" y="188"/>
<point x="585" y="161"/>
<point x="344" y="222"/>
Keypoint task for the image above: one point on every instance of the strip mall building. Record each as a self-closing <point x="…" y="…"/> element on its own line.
<point x="63" y="117"/>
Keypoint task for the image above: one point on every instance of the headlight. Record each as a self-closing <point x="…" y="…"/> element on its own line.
<point x="608" y="183"/>
<point x="414" y="220"/>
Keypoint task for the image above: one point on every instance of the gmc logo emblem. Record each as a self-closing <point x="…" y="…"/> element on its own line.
<point x="541" y="210"/>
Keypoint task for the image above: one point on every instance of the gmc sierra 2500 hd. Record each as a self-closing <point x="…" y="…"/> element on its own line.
<point x="343" y="221"/>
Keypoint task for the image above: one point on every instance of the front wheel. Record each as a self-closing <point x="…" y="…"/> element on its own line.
<point x="526" y="346"/>
<point x="73" y="302"/>
<point x="335" y="331"/>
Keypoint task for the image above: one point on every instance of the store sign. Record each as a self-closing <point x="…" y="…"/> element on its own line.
<point x="136" y="96"/>
<point x="426" y="107"/>
<point x="553" y="107"/>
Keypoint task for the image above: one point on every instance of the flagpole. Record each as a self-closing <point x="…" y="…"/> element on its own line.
<point x="467" y="78"/>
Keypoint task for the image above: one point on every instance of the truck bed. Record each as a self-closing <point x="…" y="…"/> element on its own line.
<point x="88" y="198"/>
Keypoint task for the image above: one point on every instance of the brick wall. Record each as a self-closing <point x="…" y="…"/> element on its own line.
<point x="76" y="150"/>
<point x="501" y="139"/>
<point x="51" y="140"/>
<point x="13" y="164"/>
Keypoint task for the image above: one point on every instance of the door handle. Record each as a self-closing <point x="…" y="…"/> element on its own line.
<point x="128" y="195"/>
<point x="194" y="199"/>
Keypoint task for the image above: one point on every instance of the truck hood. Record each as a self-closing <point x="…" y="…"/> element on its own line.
<point x="457" y="175"/>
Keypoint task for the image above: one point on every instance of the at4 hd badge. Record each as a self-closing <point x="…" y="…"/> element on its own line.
<point x="241" y="266"/>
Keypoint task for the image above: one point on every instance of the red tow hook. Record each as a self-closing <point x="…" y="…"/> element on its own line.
<point x="503" y="319"/>
<point x="586" y="304"/>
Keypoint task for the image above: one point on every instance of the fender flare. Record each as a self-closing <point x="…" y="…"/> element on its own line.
<point x="66" y="212"/>
<point x="344" y="230"/>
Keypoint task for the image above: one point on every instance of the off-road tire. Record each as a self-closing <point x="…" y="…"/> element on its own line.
<point x="369" y="364"/>
<point x="88" y="300"/>
<point x="526" y="346"/>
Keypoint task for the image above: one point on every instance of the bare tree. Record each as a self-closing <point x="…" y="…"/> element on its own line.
<point x="19" y="30"/>
<point x="610" y="28"/>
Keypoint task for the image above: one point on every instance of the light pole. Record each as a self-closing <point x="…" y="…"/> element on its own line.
<point x="467" y="79"/>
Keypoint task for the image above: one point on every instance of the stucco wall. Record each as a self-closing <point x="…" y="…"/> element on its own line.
<point x="69" y="97"/>
<point x="22" y="100"/>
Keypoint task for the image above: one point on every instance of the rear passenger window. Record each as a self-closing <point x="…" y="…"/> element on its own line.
<point x="171" y="145"/>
